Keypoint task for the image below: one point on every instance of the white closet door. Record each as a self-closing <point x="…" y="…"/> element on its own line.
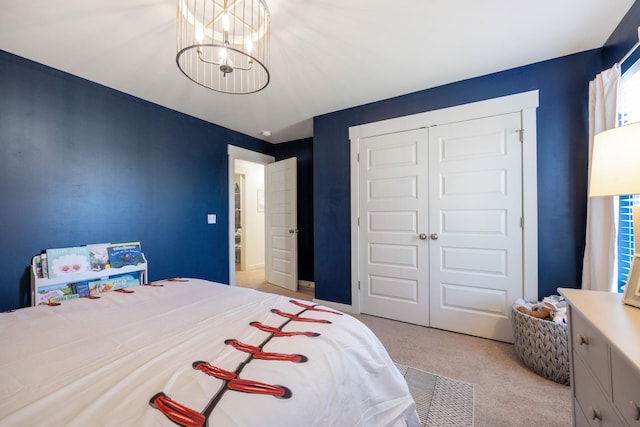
<point x="475" y="182"/>
<point x="282" y="224"/>
<point x="393" y="214"/>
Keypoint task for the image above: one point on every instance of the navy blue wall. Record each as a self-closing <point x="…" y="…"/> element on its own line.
<point x="623" y="39"/>
<point x="81" y="163"/>
<point x="562" y="127"/>
<point x="303" y="150"/>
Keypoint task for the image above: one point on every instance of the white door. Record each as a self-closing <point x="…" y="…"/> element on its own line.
<point x="475" y="213"/>
<point x="393" y="213"/>
<point x="281" y="228"/>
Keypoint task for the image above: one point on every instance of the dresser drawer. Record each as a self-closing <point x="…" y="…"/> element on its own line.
<point x="580" y="419"/>
<point x="594" y="404"/>
<point x="592" y="348"/>
<point x="626" y="389"/>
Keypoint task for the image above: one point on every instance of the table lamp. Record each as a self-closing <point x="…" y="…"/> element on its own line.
<point x="615" y="163"/>
<point x="615" y="169"/>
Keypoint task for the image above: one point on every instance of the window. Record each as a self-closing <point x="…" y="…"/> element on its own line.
<point x="626" y="244"/>
<point x="628" y="112"/>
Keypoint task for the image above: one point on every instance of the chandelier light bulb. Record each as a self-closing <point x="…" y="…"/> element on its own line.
<point x="225" y="22"/>
<point x="199" y="33"/>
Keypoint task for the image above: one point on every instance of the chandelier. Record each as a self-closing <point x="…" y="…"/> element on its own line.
<point x="224" y="44"/>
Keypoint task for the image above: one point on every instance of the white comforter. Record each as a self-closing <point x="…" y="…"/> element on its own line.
<point x="99" y="362"/>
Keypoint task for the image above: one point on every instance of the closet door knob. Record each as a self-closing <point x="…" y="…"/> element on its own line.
<point x="292" y="231"/>
<point x="434" y="236"/>
<point x="422" y="236"/>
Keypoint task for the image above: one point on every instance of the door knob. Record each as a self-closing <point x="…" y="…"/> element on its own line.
<point x="292" y="231"/>
<point x="434" y="236"/>
<point x="422" y="236"/>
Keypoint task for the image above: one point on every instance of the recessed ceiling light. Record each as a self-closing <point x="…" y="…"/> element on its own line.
<point x="265" y="133"/>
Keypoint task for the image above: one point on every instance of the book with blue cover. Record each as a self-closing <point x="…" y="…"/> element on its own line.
<point x="112" y="283"/>
<point x="125" y="254"/>
<point x="80" y="288"/>
<point x="122" y="281"/>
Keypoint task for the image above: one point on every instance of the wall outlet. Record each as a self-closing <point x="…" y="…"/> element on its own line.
<point x="211" y="219"/>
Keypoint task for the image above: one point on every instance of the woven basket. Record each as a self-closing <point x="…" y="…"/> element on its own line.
<point x="542" y="346"/>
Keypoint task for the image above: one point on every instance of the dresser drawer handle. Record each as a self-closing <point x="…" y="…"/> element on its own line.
<point x="583" y="340"/>
<point x="596" y="414"/>
<point x="636" y="410"/>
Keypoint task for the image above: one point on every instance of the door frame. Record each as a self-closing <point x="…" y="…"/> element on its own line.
<point x="526" y="103"/>
<point x="238" y="153"/>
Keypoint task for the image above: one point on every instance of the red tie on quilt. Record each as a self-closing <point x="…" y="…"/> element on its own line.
<point x="188" y="417"/>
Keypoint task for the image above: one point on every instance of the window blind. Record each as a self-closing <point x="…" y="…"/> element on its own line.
<point x="628" y="112"/>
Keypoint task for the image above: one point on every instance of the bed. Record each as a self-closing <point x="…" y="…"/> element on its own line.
<point x="192" y="352"/>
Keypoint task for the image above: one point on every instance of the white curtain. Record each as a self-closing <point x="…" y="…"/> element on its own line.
<point x="599" y="271"/>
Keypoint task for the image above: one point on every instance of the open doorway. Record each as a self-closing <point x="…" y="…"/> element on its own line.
<point x="247" y="239"/>
<point x="237" y="153"/>
<point x="249" y="222"/>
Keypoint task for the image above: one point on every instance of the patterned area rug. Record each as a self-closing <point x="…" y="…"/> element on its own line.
<point x="440" y="401"/>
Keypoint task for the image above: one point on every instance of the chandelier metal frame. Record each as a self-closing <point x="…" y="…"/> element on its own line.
<point x="223" y="45"/>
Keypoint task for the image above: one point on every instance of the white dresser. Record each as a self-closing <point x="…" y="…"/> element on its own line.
<point x="604" y="348"/>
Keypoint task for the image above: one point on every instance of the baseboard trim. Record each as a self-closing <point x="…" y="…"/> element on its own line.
<point x="346" y="308"/>
<point x="306" y="284"/>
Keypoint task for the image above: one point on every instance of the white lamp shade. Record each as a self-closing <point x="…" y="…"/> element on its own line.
<point x="615" y="162"/>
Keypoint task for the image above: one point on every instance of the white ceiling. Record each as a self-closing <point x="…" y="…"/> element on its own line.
<point x="326" y="55"/>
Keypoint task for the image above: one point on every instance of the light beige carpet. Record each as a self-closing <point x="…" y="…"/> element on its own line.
<point x="254" y="279"/>
<point x="506" y="392"/>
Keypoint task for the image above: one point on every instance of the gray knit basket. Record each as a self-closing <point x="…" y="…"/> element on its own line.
<point x="541" y="345"/>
